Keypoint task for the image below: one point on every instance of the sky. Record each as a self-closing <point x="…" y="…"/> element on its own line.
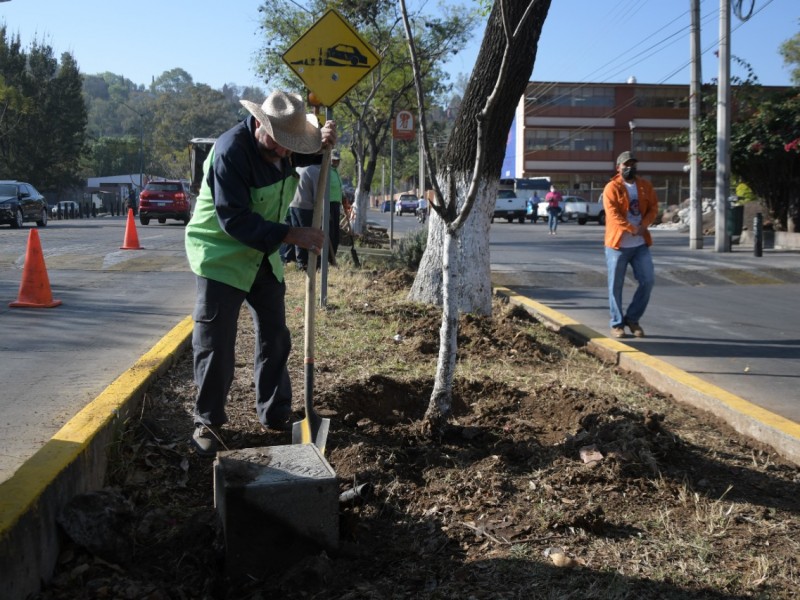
<point x="604" y="41"/>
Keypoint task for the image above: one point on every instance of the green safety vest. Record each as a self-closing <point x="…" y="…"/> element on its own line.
<point x="214" y="254"/>
<point x="335" y="189"/>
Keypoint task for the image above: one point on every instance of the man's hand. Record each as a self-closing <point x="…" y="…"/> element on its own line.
<point x="309" y="238"/>
<point x="329" y="134"/>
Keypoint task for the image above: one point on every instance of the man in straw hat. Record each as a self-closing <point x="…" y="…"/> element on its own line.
<point x="631" y="206"/>
<point x="232" y="244"/>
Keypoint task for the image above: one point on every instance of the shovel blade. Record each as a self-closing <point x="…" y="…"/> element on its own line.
<point x="311" y="430"/>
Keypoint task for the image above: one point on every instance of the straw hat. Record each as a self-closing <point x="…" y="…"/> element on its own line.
<point x="285" y="119"/>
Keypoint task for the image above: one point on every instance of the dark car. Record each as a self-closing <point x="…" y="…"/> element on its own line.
<point x="406" y="203"/>
<point x="20" y="202"/>
<point x="167" y="199"/>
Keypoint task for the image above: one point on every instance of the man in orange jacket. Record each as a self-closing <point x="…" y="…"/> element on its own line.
<point x="631" y="207"/>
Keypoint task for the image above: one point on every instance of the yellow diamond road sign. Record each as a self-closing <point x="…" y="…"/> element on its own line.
<point x="331" y="58"/>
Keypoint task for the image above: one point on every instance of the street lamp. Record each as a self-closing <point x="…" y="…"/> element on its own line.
<point x="632" y="125"/>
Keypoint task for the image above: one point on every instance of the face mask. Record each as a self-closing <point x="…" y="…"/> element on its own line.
<point x="629" y="172"/>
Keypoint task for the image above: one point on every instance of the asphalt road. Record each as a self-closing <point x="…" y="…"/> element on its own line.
<point x="116" y="304"/>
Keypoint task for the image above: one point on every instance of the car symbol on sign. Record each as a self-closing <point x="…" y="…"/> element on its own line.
<point x="346" y="53"/>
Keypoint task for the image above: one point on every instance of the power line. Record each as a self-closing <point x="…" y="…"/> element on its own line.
<point x="709" y="16"/>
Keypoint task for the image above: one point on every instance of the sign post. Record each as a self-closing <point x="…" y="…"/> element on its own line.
<point x="402" y="129"/>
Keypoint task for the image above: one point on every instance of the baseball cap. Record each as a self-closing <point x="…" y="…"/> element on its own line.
<point x="625" y="157"/>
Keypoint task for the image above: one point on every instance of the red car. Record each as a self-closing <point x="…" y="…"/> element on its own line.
<point x="162" y="200"/>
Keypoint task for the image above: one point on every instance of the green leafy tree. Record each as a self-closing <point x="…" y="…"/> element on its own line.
<point x="765" y="123"/>
<point x="13" y="104"/>
<point x="112" y="156"/>
<point x="765" y="127"/>
<point x="16" y="105"/>
<point x="44" y="118"/>
<point x="790" y="50"/>
<point x="765" y="155"/>
<point x="364" y="115"/>
<point x="158" y="121"/>
<point x="67" y="117"/>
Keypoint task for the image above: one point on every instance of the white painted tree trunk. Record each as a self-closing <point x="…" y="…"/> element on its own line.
<point x="471" y="261"/>
<point x="360" y="206"/>
<point x="439" y="407"/>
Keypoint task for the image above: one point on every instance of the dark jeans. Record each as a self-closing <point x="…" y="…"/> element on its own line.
<point x="333" y="225"/>
<point x="215" y="315"/>
<point x="617" y="261"/>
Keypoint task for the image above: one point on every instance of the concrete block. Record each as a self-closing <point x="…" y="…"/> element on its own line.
<point x="277" y="504"/>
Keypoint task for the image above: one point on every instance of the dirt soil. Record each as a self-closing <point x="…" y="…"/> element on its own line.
<point x="558" y="478"/>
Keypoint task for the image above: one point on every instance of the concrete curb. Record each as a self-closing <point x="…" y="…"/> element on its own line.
<point x="72" y="462"/>
<point x="745" y="417"/>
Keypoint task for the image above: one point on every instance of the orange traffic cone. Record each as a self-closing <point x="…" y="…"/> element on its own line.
<point x="34" y="291"/>
<point x="131" y="241"/>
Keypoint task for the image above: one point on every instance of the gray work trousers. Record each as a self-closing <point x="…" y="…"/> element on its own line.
<point x="216" y="314"/>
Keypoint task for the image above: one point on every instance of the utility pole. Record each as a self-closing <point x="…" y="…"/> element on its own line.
<point x="421" y="164"/>
<point x="722" y="241"/>
<point x="695" y="175"/>
<point x="391" y="195"/>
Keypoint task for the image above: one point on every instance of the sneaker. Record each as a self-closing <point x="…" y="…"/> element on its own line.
<point x="207" y="439"/>
<point x="618" y="332"/>
<point x="635" y="328"/>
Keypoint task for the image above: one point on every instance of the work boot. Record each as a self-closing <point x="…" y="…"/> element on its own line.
<point x="635" y="328"/>
<point x="618" y="332"/>
<point x="207" y="439"/>
<point x="279" y="425"/>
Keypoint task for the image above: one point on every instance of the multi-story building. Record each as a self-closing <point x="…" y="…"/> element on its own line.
<point x="573" y="132"/>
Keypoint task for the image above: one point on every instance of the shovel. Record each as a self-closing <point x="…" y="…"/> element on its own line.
<point x="313" y="429"/>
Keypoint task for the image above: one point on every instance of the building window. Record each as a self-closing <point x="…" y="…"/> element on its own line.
<point x="564" y="95"/>
<point x="580" y="140"/>
<point x="661" y="98"/>
<point x="657" y="141"/>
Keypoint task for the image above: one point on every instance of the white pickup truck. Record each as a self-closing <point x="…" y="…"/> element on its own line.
<point x="584" y="210"/>
<point x="509" y="206"/>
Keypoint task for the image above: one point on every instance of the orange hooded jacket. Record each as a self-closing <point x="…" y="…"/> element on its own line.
<point x="616" y="202"/>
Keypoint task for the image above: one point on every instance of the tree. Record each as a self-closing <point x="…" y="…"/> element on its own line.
<point x="364" y="115"/>
<point x="126" y="119"/>
<point x="454" y="272"/>
<point x="43" y="121"/>
<point x="113" y="156"/>
<point x="765" y="155"/>
<point x="790" y="50"/>
<point x="179" y="115"/>
<point x="765" y="127"/>
<point x="67" y="116"/>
